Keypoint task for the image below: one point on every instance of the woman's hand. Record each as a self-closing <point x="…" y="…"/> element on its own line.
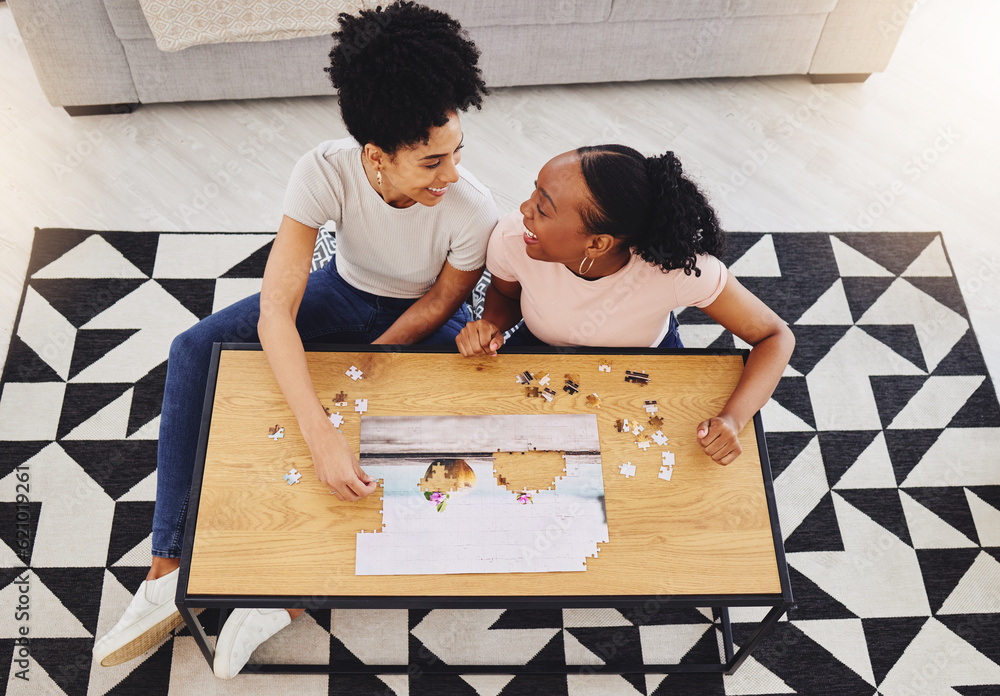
<point x="479" y="338"/>
<point x="337" y="467"/>
<point x="718" y="437"/>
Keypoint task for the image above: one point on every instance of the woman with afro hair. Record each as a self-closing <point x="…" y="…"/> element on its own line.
<point x="607" y="246"/>
<point x="412" y="228"/>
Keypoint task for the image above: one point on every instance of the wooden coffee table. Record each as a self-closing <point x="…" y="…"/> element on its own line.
<point x="709" y="537"/>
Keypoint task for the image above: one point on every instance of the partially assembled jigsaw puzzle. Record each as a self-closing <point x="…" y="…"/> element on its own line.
<point x="445" y="509"/>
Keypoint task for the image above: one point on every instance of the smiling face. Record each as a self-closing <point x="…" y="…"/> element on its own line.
<point x="418" y="173"/>
<point x="554" y="230"/>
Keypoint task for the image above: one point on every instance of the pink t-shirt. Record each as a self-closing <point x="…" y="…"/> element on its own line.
<point x="629" y="308"/>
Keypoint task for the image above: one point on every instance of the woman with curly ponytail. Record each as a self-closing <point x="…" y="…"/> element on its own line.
<point x="607" y="246"/>
<point x="412" y="227"/>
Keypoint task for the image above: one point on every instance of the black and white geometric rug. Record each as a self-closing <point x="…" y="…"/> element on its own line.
<point x="884" y="438"/>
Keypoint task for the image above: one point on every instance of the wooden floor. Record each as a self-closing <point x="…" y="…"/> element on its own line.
<point x="817" y="158"/>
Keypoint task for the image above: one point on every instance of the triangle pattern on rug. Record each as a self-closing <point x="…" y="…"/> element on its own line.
<point x="195" y="294"/>
<point x="853" y="264"/>
<point x="901" y="338"/>
<point x="85" y="403"/>
<point x="841" y="450"/>
<point x="933" y="261"/>
<point x="94" y="344"/>
<point x="737" y="244"/>
<point x="204" y="255"/>
<point x="132" y="524"/>
<point x="883" y="506"/>
<point x="985" y="509"/>
<point x="813" y="343"/>
<point x="862" y="293"/>
<point x="253" y="265"/>
<point x="928" y="530"/>
<point x="92" y="258"/>
<point x="981" y="410"/>
<point x="110" y="423"/>
<point x="147" y="399"/>
<point x="760" y="261"/>
<point x="944" y="290"/>
<point x="65" y="295"/>
<point x="938" y="402"/>
<point x="887" y="639"/>
<point x="845" y="640"/>
<point x="116" y="466"/>
<point x="942" y="569"/>
<point x="950" y="504"/>
<point x="893" y="251"/>
<point x="819" y="531"/>
<point x="827" y="668"/>
<point x="25" y="365"/>
<point x="976" y="591"/>
<point x="830" y="308"/>
<point x="907" y="448"/>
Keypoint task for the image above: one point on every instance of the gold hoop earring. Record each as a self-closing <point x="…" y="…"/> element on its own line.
<point x="378" y="177"/>
<point x="583" y="272"/>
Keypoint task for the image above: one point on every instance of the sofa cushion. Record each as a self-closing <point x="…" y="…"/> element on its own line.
<point x="663" y="10"/>
<point x="130" y="23"/>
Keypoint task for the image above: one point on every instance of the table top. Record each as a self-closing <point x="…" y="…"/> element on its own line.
<point x="710" y="531"/>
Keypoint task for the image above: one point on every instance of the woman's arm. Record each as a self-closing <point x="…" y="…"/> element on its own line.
<point x="501" y="310"/>
<point x="742" y="313"/>
<point x="285" y="278"/>
<point x="426" y="315"/>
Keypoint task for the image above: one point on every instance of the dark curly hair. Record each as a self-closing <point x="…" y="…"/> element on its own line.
<point x="649" y="204"/>
<point x="400" y="70"/>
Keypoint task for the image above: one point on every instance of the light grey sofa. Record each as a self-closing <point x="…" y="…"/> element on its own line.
<point x="94" y="56"/>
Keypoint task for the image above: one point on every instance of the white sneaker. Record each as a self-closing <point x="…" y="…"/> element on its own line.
<point x="150" y="617"/>
<point x="245" y="629"/>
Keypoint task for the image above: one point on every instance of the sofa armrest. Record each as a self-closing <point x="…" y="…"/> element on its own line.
<point x="77" y="58"/>
<point x="859" y="37"/>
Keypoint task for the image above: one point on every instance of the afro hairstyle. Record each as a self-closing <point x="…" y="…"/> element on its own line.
<point x="400" y="70"/>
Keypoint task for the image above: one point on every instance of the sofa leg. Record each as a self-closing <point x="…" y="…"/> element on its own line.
<point x="834" y="78"/>
<point x="100" y="109"/>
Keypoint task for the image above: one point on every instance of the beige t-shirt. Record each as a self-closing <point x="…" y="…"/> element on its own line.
<point x="629" y="308"/>
<point x="390" y="252"/>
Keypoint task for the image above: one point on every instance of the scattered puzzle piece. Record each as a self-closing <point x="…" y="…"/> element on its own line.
<point x="594" y="400"/>
<point x="667" y="468"/>
<point x="650" y="407"/>
<point x="637" y="377"/>
<point x="354" y="373"/>
<point x="276" y="433"/>
<point x="525" y="377"/>
<point x="531" y="391"/>
<point x="340" y="399"/>
<point x="627" y="469"/>
<point x="656" y="421"/>
<point x="643" y="445"/>
<point x="547" y="394"/>
<point x="544" y="381"/>
<point x="659" y="438"/>
<point x="292" y="477"/>
<point x="636" y="429"/>
<point x="622" y="426"/>
<point x="604" y="366"/>
<point x="572" y="386"/>
<point x="361" y="405"/>
<point x="336" y="419"/>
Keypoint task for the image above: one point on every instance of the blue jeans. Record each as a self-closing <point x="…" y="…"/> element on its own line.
<point x="331" y="311"/>
<point x="523" y="337"/>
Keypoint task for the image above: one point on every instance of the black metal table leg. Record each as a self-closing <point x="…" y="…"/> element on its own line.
<point x="763" y="629"/>
<point x="198" y="631"/>
<point x="727" y="634"/>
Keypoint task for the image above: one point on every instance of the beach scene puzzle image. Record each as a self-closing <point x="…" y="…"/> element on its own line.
<point x="483" y="494"/>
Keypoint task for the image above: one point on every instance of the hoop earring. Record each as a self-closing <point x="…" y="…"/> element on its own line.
<point x="378" y="177"/>
<point x="583" y="272"/>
